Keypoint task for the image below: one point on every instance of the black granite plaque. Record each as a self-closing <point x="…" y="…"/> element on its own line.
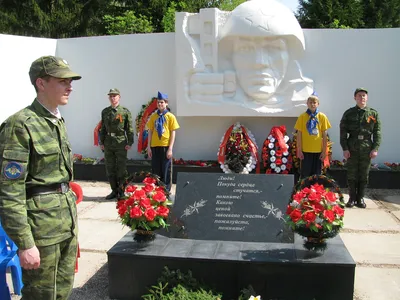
<point x="231" y="207"/>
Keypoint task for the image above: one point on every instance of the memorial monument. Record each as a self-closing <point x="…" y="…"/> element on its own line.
<point x="245" y="58"/>
<point x="239" y="63"/>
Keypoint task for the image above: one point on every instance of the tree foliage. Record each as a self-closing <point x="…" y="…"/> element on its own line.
<point x="73" y="18"/>
<point x="349" y="13"/>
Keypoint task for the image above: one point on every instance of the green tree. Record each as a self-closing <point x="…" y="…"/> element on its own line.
<point x="229" y="5"/>
<point x="327" y="13"/>
<point x="381" y="13"/>
<point x="127" y="23"/>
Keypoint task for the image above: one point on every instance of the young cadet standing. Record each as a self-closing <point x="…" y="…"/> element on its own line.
<point x="360" y="138"/>
<point x="312" y="138"/>
<point x="161" y="127"/>
<point x="37" y="208"/>
<point x="116" y="138"/>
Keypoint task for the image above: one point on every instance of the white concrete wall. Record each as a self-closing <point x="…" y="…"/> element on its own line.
<point x="16" y="56"/>
<point x="139" y="65"/>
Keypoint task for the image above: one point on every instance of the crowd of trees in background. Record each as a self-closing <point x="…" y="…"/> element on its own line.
<point x="75" y="18"/>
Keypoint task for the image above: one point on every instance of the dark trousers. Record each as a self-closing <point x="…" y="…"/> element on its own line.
<point x="310" y="165"/>
<point x="160" y="165"/>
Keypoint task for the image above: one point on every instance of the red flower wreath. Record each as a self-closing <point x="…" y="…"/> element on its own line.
<point x="276" y="155"/>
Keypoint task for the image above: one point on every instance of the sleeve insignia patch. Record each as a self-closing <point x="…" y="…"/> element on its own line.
<point x="13" y="170"/>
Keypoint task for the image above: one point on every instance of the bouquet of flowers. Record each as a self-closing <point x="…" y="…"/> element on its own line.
<point x="147" y="207"/>
<point x="276" y="152"/>
<point x="238" y="150"/>
<point x="316" y="209"/>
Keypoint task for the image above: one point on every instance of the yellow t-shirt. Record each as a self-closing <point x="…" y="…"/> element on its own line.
<point x="170" y="125"/>
<point x="312" y="143"/>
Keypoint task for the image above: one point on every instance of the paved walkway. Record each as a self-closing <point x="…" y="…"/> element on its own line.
<point x="371" y="235"/>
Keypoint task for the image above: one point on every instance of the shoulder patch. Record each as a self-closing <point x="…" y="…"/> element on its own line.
<point x="13" y="170"/>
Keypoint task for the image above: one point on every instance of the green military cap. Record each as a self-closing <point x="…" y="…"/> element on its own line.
<point x="51" y="66"/>
<point x="360" y="90"/>
<point x="114" y="92"/>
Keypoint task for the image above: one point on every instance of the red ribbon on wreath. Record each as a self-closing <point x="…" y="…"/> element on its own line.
<point x="221" y="152"/>
<point x="96" y="134"/>
<point x="149" y="110"/>
<point x="253" y="149"/>
<point x="278" y="132"/>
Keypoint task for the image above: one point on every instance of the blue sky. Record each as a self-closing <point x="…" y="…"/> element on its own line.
<point x="291" y="4"/>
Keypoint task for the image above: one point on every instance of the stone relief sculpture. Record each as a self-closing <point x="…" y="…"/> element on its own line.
<point x="247" y="57"/>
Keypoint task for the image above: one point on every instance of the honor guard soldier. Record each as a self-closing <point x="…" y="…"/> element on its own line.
<point x="116" y="138"/>
<point x="360" y="138"/>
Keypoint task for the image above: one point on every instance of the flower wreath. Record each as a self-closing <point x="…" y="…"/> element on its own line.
<point x="296" y="161"/>
<point x="276" y="152"/>
<point x="146" y="207"/>
<point x="238" y="151"/>
<point x="316" y="209"/>
<point x="141" y="121"/>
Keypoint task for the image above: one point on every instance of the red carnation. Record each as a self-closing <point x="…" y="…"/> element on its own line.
<point x="150" y="180"/>
<point x="130" y="188"/>
<point x="139" y="194"/>
<point x="148" y="188"/>
<point x="278" y="153"/>
<point x="295" y="215"/>
<point x="314" y="197"/>
<point x="289" y="209"/>
<point x="330" y="196"/>
<point x="298" y="196"/>
<point x="309" y="217"/>
<point x="135" y="212"/>
<point x="278" y="161"/>
<point x="120" y="203"/>
<point x="145" y="203"/>
<point x="338" y="210"/>
<point x="162" y="211"/>
<point x="329" y="216"/>
<point x="159" y="197"/>
<point x="122" y="210"/>
<point x="150" y="214"/>
<point x="318" y="207"/>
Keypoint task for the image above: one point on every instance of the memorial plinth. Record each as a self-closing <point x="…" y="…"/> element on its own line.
<point x="275" y="270"/>
<point x="229" y="230"/>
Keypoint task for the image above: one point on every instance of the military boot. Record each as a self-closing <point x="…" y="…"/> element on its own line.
<point x="360" y="195"/>
<point x="352" y="194"/>
<point x="114" y="188"/>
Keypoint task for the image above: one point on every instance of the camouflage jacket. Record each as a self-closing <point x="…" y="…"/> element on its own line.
<point x="34" y="151"/>
<point x="116" y="126"/>
<point x="360" y="129"/>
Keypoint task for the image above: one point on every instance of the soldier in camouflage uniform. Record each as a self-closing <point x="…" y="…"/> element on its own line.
<point x="360" y="138"/>
<point x="37" y="208"/>
<point x="116" y="138"/>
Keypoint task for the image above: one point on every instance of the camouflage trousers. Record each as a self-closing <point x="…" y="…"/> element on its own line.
<point x="115" y="159"/>
<point x="54" y="279"/>
<point x="358" y="166"/>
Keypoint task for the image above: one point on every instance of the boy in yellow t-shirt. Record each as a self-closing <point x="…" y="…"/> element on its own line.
<point x="312" y="138"/>
<point x="161" y="128"/>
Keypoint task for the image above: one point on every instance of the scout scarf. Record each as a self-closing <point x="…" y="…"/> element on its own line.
<point x="312" y="122"/>
<point x="159" y="124"/>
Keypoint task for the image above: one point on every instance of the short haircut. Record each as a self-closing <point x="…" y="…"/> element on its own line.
<point x="313" y="98"/>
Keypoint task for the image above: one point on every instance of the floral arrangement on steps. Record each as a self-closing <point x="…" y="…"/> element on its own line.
<point x="145" y="208"/>
<point x="276" y="152"/>
<point x="141" y="120"/>
<point x="238" y="151"/>
<point x="316" y="210"/>
<point x="327" y="162"/>
<point x="199" y="163"/>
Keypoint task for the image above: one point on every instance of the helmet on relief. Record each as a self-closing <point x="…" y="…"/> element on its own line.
<point x="258" y="18"/>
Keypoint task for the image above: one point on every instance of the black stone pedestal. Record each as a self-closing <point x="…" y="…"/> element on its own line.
<point x="276" y="271"/>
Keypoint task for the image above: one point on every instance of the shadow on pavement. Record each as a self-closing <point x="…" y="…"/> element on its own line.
<point x="96" y="288"/>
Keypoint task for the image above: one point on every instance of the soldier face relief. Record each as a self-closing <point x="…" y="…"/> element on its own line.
<point x="260" y="64"/>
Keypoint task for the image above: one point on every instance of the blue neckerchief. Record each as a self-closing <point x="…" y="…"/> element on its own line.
<point x="160" y="122"/>
<point x="312" y="122"/>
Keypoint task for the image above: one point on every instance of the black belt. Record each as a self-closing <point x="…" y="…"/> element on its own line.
<point x="115" y="134"/>
<point x="57" y="188"/>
